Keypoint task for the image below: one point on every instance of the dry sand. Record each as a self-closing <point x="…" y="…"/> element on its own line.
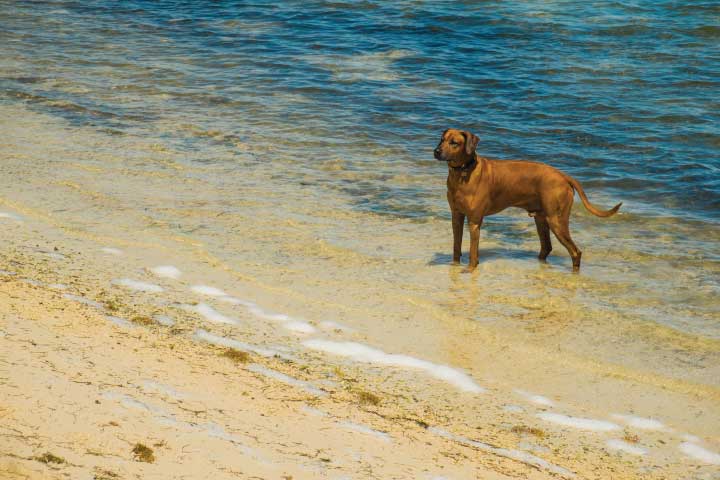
<point x="86" y="391"/>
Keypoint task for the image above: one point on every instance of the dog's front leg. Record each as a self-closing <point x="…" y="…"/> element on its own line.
<point x="458" y="221"/>
<point x="474" y="242"/>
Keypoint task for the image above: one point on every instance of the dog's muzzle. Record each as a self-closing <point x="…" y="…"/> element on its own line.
<point x="438" y="154"/>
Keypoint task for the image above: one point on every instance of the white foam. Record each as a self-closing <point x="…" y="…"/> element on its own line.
<point x="212" y="315"/>
<point x="235" y="301"/>
<point x="120" y="322"/>
<point x="259" y="312"/>
<point x="138" y="286"/>
<point x="517" y="455"/>
<point x="166" y="271"/>
<point x="111" y="251"/>
<point x="133" y="402"/>
<point x="7" y="272"/>
<point x="536" y="399"/>
<point x="54" y="255"/>
<point x="215" y="430"/>
<point x="164" y="320"/>
<point x="626" y="447"/>
<point x="579" y="423"/>
<point x="84" y="300"/>
<point x="366" y="430"/>
<point x="58" y="286"/>
<point x="513" y="408"/>
<point x="364" y="353"/>
<point x="10" y="216"/>
<point x="699" y="453"/>
<point x="164" y="389"/>
<point x="209" y="291"/>
<point x="690" y="438"/>
<point x="164" y="417"/>
<point x="333" y="326"/>
<point x="299" y="327"/>
<point x="229" y="342"/>
<point x="313" y="411"/>
<point x="281" y="377"/>
<point x="639" y="422"/>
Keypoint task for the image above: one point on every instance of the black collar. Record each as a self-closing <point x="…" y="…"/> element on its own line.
<point x="464" y="169"/>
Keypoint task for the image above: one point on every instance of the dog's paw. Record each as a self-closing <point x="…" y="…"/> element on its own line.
<point x="468" y="269"/>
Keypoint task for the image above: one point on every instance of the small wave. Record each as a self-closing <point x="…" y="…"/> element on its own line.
<point x="364" y="353"/>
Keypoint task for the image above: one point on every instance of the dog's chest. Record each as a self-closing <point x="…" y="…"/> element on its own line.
<point x="465" y="197"/>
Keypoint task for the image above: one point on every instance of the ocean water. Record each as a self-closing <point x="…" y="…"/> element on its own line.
<point x="282" y="153"/>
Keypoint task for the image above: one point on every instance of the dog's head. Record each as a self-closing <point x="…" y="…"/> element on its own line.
<point x="456" y="147"/>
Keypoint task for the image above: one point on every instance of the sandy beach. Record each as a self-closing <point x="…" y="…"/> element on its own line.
<point x="226" y="248"/>
<point x="80" y="393"/>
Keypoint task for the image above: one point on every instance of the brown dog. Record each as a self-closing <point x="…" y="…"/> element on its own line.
<point x="478" y="187"/>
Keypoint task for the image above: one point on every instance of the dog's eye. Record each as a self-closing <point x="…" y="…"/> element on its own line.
<point x="454" y="144"/>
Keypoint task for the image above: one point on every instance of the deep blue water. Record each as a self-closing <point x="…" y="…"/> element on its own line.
<point x="624" y="95"/>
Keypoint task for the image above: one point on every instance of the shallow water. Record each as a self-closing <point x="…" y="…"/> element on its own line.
<point x="282" y="155"/>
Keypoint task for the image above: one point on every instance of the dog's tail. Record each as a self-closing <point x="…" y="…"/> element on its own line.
<point x="591" y="208"/>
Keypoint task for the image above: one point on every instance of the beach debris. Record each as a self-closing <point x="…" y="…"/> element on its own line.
<point x="105" y="475"/>
<point x="525" y="430"/>
<point x="142" y="320"/>
<point x="367" y="398"/>
<point x="48" y="457"/>
<point x="143" y="453"/>
<point x="237" y="356"/>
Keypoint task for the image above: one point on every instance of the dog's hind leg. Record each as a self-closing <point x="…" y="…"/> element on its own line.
<point x="543" y="230"/>
<point x="560" y="226"/>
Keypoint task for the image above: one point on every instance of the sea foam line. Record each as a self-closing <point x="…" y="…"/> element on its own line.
<point x="536" y="399"/>
<point x="286" y="379"/>
<point x="699" y="453"/>
<point x="166" y="271"/>
<point x="578" y="422"/>
<point x="83" y="300"/>
<point x="120" y="322"/>
<point x="364" y="353"/>
<point x="517" y="455"/>
<point x="10" y="216"/>
<point x="208" y="337"/>
<point x="207" y="290"/>
<point x="366" y="430"/>
<point x="210" y="314"/>
<point x="138" y="286"/>
<point x="623" y="446"/>
<point x="639" y="422"/>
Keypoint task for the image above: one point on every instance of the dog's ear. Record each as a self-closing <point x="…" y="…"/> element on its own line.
<point x="471" y="142"/>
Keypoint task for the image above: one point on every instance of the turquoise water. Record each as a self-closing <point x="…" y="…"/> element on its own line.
<point x="623" y="95"/>
<point x="341" y="104"/>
